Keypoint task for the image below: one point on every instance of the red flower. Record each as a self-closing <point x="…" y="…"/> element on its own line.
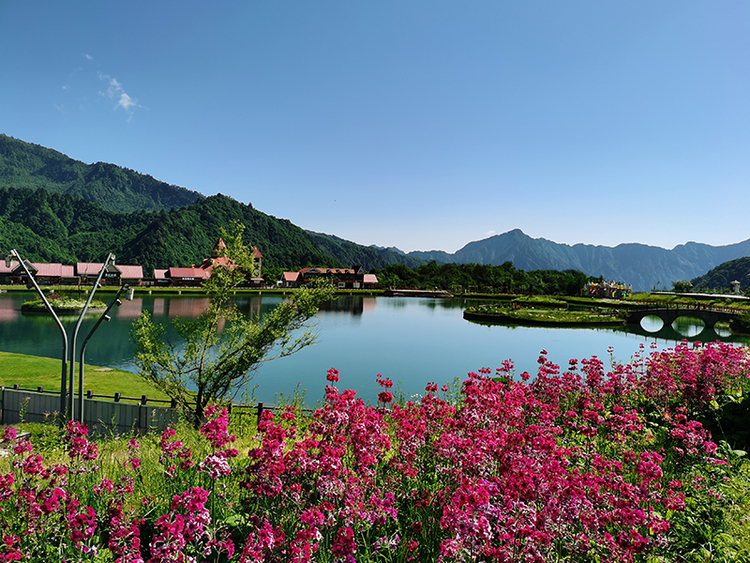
<point x="344" y="544"/>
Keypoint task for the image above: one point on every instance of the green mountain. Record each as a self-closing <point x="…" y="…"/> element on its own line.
<point x="53" y="227"/>
<point x="369" y="257"/>
<point x="180" y="230"/>
<point x="29" y="166"/>
<point x="722" y="276"/>
<point x="187" y="235"/>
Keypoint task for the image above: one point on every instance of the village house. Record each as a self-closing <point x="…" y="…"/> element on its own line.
<point x="116" y="274"/>
<point x="45" y="274"/>
<point x="342" y="278"/>
<point x="195" y="274"/>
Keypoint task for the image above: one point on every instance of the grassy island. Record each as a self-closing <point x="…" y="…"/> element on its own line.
<point x="547" y="312"/>
<point x="62" y="304"/>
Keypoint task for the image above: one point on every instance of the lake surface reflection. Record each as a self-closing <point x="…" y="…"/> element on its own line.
<point x="411" y="340"/>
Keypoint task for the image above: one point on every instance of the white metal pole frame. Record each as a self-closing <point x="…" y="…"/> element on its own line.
<point x="104" y="317"/>
<point x="110" y="260"/>
<point x="63" y="391"/>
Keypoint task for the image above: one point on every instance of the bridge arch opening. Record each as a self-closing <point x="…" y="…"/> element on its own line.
<point x="722" y="329"/>
<point x="688" y="326"/>
<point x="652" y="323"/>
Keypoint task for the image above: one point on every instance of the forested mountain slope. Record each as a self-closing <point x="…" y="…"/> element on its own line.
<point x="53" y="227"/>
<point x="25" y="165"/>
<point x="722" y="276"/>
<point x="350" y="253"/>
<point x="187" y="235"/>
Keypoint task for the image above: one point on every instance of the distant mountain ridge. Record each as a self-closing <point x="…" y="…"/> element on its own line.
<point x="642" y="266"/>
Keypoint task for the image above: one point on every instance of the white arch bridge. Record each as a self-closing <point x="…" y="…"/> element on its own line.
<point x="669" y="315"/>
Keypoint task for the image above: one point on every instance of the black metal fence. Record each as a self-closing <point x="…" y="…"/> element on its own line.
<point x="105" y="414"/>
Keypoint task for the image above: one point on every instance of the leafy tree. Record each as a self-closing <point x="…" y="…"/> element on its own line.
<point x="681" y="286"/>
<point x="222" y="347"/>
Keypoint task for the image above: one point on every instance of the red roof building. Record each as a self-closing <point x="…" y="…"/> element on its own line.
<point x="44" y="273"/>
<point x="120" y="273"/>
<point x="197" y="273"/>
<point x="342" y="278"/>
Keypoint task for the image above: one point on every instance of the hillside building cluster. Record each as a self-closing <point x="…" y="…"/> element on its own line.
<point x="85" y="273"/>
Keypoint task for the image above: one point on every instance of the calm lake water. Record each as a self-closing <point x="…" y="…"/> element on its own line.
<point x="411" y="340"/>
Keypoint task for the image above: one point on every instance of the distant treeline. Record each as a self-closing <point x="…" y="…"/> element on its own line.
<point x="483" y="278"/>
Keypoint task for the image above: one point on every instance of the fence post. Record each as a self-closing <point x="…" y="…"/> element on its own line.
<point x="143" y="413"/>
<point x="89" y="394"/>
<point x="117" y="397"/>
<point x="260" y="412"/>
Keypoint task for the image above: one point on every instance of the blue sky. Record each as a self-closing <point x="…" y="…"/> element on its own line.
<point x="421" y="125"/>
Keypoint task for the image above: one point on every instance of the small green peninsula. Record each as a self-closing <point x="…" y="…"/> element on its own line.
<point x="544" y="312"/>
<point x="62" y="304"/>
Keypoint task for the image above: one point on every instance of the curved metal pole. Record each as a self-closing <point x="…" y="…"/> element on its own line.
<point x="81" y="361"/>
<point x="110" y="258"/>
<point x="63" y="390"/>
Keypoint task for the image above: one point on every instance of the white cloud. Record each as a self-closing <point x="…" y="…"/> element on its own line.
<point x="126" y="102"/>
<point x="88" y="57"/>
<point x="117" y="94"/>
<point x="490" y="233"/>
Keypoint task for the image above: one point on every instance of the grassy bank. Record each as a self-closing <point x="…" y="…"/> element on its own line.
<point x="30" y="372"/>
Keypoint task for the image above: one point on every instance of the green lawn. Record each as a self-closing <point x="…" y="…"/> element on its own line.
<point x="30" y="372"/>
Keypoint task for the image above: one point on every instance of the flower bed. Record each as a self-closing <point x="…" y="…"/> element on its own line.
<point x="585" y="464"/>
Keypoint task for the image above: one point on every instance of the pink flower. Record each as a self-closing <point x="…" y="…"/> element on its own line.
<point x="344" y="544"/>
<point x="384" y="382"/>
<point x="215" y="429"/>
<point x="215" y="465"/>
